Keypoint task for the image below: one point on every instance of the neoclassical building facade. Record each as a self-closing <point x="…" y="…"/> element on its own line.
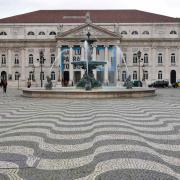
<point x="119" y="35"/>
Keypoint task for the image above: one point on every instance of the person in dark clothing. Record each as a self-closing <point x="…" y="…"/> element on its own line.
<point x="1" y="83"/>
<point x="4" y="85"/>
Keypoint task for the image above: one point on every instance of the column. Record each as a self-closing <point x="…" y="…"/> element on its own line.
<point x="59" y="64"/>
<point x="23" y="64"/>
<point x="82" y="59"/>
<point x="154" y="64"/>
<point x="166" y="65"/>
<point x="94" y="53"/>
<point x="117" y="62"/>
<point x="9" y="63"/>
<point x="106" y="79"/>
<point x="94" y="59"/>
<point x="82" y="53"/>
<point x="149" y="67"/>
<point x="71" y="71"/>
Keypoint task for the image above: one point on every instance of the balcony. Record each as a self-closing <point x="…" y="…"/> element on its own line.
<point x="173" y="64"/>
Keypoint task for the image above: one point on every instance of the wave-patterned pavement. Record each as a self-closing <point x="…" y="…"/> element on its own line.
<point x="118" y="139"/>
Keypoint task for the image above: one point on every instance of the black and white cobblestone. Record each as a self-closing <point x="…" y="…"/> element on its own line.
<point x="63" y="139"/>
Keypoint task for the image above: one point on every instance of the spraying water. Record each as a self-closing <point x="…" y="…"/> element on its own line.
<point x="86" y="48"/>
<point x="56" y="58"/>
<point x="120" y="54"/>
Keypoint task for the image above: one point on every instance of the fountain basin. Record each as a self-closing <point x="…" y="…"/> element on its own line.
<point x="99" y="93"/>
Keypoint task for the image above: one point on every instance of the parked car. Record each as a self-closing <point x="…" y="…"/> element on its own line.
<point x="176" y="84"/>
<point x="159" y="83"/>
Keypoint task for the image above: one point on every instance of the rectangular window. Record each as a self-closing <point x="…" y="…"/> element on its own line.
<point x="134" y="58"/>
<point x="3" y="59"/>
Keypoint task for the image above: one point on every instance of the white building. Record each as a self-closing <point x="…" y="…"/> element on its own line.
<point x="58" y="34"/>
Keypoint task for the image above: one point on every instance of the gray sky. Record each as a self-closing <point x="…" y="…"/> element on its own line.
<point x="164" y="7"/>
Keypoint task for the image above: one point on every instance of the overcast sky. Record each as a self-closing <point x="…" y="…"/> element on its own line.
<point x="164" y="7"/>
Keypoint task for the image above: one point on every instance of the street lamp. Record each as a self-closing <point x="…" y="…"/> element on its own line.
<point x="41" y="61"/>
<point x="33" y="67"/>
<point x="18" y="78"/>
<point x="118" y="69"/>
<point x="59" y="78"/>
<point x="139" y="61"/>
<point x="143" y="78"/>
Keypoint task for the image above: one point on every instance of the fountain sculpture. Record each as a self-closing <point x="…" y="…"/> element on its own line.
<point x="88" y="81"/>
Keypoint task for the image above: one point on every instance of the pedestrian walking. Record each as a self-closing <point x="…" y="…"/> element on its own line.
<point x="4" y="85"/>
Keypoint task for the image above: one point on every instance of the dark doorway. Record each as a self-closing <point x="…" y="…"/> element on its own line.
<point x="66" y="78"/>
<point x="3" y="75"/>
<point x="173" y="76"/>
<point x="77" y="76"/>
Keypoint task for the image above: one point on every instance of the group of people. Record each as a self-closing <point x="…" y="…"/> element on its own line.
<point x="3" y="84"/>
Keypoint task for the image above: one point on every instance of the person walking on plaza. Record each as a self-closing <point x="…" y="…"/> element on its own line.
<point x="4" y="85"/>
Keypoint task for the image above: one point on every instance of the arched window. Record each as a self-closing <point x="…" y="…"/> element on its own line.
<point x="52" y="33"/>
<point x="16" y="75"/>
<point x="134" y="58"/>
<point x="134" y="75"/>
<point x="159" y="74"/>
<point x="134" y="33"/>
<point x="160" y="58"/>
<point x="53" y="76"/>
<point x="146" y="58"/>
<point x="173" y="58"/>
<point x="52" y="58"/>
<point x="30" y="33"/>
<point x="3" y="33"/>
<point x="145" y="75"/>
<point x="41" y="33"/>
<point x="31" y="75"/>
<point x="124" y="32"/>
<point x="16" y="60"/>
<point x="145" y="32"/>
<point x="173" y="32"/>
<point x="124" y="58"/>
<point x="3" y="59"/>
<point x="123" y="75"/>
<point x="42" y="75"/>
<point x="30" y="59"/>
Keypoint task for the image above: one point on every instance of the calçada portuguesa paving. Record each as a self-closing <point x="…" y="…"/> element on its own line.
<point x="110" y="139"/>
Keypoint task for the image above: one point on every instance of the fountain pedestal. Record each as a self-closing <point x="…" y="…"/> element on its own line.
<point x="58" y="84"/>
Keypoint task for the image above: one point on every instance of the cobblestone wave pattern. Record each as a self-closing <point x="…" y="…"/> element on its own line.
<point x="123" y="139"/>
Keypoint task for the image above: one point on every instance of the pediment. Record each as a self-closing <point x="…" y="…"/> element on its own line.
<point x="96" y="32"/>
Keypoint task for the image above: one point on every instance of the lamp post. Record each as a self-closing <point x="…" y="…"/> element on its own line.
<point x="59" y="78"/>
<point x="33" y="67"/>
<point x="18" y="78"/>
<point x="118" y="69"/>
<point x="41" y="61"/>
<point x="139" y="65"/>
<point x="143" y="78"/>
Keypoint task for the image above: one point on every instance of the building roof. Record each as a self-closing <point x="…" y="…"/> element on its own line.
<point x="97" y="16"/>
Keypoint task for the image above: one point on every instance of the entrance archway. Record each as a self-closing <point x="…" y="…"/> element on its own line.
<point x="66" y="78"/>
<point x="173" y="76"/>
<point x="3" y="75"/>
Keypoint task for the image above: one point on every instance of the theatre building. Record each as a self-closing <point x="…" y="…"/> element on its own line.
<point x="45" y="42"/>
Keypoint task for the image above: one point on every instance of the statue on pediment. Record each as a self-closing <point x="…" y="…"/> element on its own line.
<point x="88" y="18"/>
<point x="60" y="29"/>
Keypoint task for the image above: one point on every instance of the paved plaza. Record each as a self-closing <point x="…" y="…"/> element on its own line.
<point x="111" y="139"/>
